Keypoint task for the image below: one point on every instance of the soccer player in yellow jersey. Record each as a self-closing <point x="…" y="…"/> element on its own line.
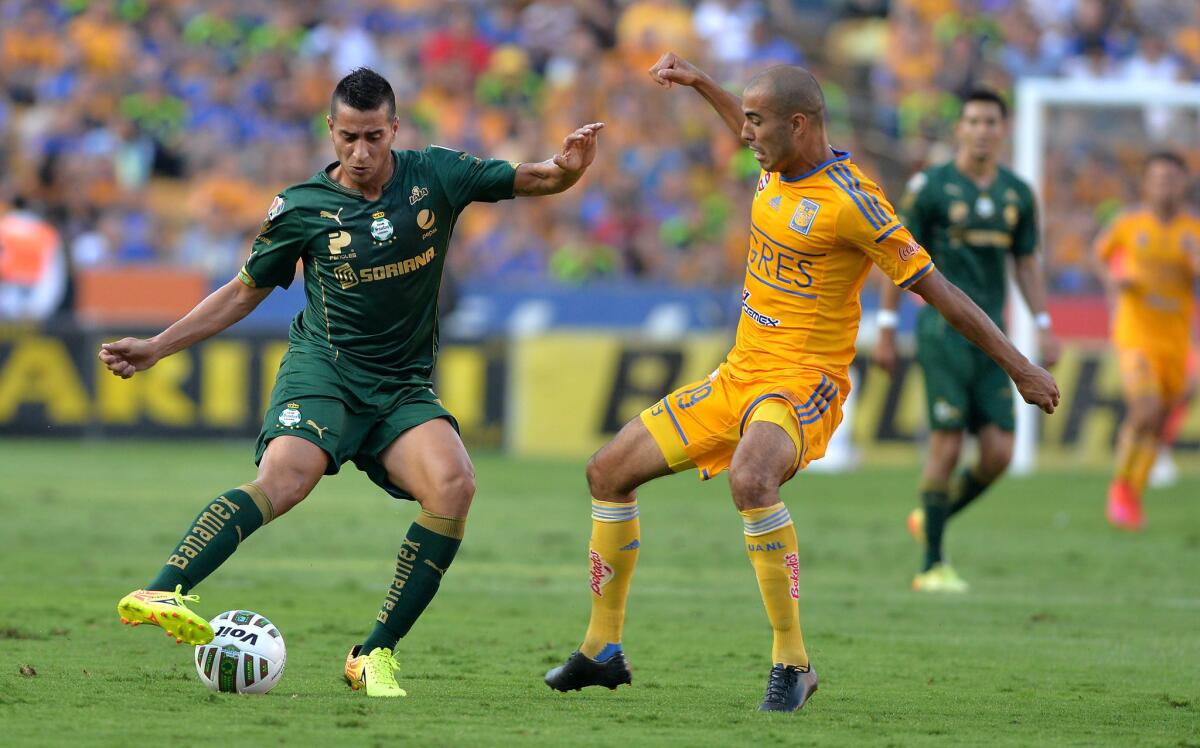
<point x="1149" y="260"/>
<point x="817" y="223"/>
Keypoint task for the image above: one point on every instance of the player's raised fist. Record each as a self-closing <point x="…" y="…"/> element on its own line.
<point x="671" y="68"/>
<point x="128" y="356"/>
<point x="1038" y="387"/>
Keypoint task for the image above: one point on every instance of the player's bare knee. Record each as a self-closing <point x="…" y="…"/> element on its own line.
<point x="994" y="461"/>
<point x="606" y="480"/>
<point x="751" y="489"/>
<point x="451" y="494"/>
<point x="285" y="488"/>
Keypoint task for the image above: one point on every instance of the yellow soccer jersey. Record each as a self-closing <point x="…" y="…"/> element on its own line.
<point x="812" y="241"/>
<point x="1162" y="262"/>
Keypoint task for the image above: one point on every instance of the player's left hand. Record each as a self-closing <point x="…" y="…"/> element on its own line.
<point x="579" y="149"/>
<point x="1049" y="349"/>
<point x="1037" y="387"/>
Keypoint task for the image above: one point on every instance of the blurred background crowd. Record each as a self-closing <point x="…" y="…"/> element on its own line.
<point x="136" y="132"/>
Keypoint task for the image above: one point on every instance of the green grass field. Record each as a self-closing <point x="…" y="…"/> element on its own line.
<point x="1074" y="634"/>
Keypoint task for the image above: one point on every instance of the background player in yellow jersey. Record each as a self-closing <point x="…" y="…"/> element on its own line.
<point x="1149" y="260"/>
<point x="816" y="226"/>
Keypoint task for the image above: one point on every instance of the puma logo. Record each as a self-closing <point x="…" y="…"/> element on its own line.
<point x="441" y="572"/>
<point x="320" y="431"/>
<point x="334" y="216"/>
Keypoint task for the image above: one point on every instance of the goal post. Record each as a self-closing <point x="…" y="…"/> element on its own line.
<point x="1036" y="98"/>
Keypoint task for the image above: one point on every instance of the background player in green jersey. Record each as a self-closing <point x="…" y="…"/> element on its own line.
<point x="972" y="214"/>
<point x="372" y="231"/>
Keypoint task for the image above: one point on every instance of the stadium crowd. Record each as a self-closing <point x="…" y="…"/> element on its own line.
<point x="158" y="132"/>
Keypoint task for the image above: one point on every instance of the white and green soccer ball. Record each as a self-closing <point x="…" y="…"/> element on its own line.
<point x="246" y="654"/>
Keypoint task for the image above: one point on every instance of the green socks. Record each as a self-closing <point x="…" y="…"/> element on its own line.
<point x="213" y="537"/>
<point x="966" y="489"/>
<point x="936" y="502"/>
<point x="426" y="553"/>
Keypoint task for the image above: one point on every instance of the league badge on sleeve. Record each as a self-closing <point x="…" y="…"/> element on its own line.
<point x="276" y="208"/>
<point x="805" y="215"/>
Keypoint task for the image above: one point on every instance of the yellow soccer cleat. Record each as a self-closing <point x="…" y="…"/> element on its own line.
<point x="168" y="611"/>
<point x="941" y="578"/>
<point x="916" y="525"/>
<point x="376" y="671"/>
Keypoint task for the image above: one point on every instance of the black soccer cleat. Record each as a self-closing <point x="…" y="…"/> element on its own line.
<point x="580" y="671"/>
<point x="788" y="687"/>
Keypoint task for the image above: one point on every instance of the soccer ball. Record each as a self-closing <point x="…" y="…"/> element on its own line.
<point x="246" y="654"/>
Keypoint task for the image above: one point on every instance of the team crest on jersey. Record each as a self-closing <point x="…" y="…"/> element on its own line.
<point x="763" y="181"/>
<point x="985" y="207"/>
<point x="805" y="215"/>
<point x="276" y="208"/>
<point x="290" y="415"/>
<point x="381" y="227"/>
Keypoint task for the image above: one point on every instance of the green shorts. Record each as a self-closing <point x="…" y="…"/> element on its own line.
<point x="347" y="412"/>
<point x="964" y="388"/>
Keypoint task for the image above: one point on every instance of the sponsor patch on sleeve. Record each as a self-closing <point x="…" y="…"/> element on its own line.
<point x="276" y="208"/>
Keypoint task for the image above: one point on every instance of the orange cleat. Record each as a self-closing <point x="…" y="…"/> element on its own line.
<point x="1124" y="508"/>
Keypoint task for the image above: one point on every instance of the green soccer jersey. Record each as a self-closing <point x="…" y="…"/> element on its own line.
<point x="970" y="232"/>
<point x="372" y="268"/>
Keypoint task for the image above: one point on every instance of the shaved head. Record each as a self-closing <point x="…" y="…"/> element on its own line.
<point x="790" y="89"/>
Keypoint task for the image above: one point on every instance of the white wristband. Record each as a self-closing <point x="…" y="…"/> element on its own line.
<point x="1042" y="320"/>
<point x="886" y="319"/>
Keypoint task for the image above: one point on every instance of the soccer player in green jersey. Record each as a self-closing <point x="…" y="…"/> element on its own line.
<point x="372" y="231"/>
<point x="972" y="214"/>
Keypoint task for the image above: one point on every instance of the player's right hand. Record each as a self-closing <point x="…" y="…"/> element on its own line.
<point x="884" y="355"/>
<point x="671" y="68"/>
<point x="128" y="356"/>
<point x="1038" y="387"/>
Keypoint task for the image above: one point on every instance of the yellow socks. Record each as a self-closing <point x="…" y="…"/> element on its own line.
<point x="774" y="553"/>
<point x="612" y="554"/>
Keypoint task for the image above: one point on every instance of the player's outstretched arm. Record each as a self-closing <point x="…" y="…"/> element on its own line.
<point x="1032" y="283"/>
<point x="557" y="174"/>
<point x="1033" y="382"/>
<point x="671" y="68"/>
<point x="222" y="308"/>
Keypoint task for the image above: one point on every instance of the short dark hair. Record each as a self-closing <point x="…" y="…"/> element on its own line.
<point x="1170" y="157"/>
<point x="792" y="89"/>
<point x="987" y="96"/>
<point x="365" y="90"/>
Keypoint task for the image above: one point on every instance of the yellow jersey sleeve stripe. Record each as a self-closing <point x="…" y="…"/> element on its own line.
<point x="867" y="204"/>
<point x="888" y="233"/>
<point x="918" y="275"/>
<point x="246" y="278"/>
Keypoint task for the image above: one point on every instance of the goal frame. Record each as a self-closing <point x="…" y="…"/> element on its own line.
<point x="1034" y="96"/>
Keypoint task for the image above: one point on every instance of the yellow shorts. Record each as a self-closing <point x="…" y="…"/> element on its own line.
<point x="1164" y="375"/>
<point x="700" y="424"/>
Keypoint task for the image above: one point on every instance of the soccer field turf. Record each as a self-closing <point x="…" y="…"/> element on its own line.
<point x="1073" y="634"/>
